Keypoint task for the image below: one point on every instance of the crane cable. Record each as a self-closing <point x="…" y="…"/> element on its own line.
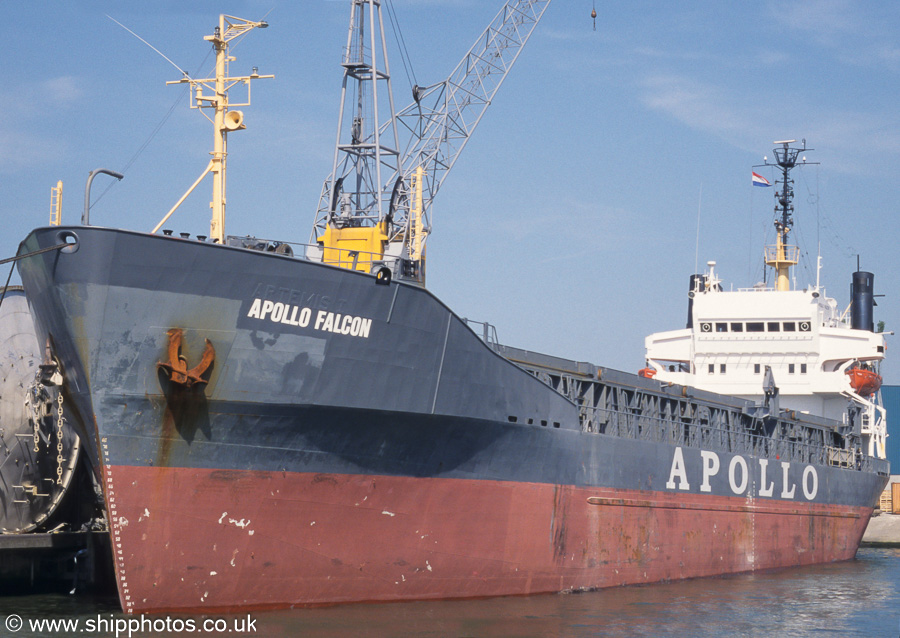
<point x="404" y="53"/>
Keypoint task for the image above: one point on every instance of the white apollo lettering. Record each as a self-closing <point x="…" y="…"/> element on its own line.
<point x="678" y="472"/>
<point x="785" y="493"/>
<point x="810" y="491"/>
<point x="732" y="480"/>
<point x="291" y="315"/>
<point x="740" y="474"/>
<point x="765" y="490"/>
<point x="710" y="468"/>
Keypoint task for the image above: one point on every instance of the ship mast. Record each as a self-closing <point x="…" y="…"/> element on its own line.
<point x="782" y="255"/>
<point x="224" y="121"/>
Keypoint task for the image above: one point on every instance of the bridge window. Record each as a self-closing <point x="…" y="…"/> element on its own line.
<point x="737" y="326"/>
<point x="712" y="368"/>
<point x="802" y="368"/>
<point x="755" y="326"/>
<point x="790" y="368"/>
<point x="721" y="327"/>
<point x="722" y="368"/>
<point x="756" y="368"/>
<point x="774" y="326"/>
<point x="790" y="326"/>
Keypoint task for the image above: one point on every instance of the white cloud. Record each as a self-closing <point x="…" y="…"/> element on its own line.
<point x="826" y="19"/>
<point x="24" y="149"/>
<point x="60" y="91"/>
<point x="23" y="136"/>
<point x="743" y="120"/>
<point x="858" y="34"/>
<point x="695" y="104"/>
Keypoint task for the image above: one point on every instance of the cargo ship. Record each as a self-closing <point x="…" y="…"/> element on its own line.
<point x="276" y="424"/>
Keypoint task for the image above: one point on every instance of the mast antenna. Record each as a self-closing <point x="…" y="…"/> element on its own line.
<point x="166" y="58"/>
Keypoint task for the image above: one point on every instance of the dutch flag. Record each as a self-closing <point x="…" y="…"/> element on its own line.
<point x="759" y="180"/>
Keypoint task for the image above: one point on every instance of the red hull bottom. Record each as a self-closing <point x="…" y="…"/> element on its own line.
<point x="193" y="539"/>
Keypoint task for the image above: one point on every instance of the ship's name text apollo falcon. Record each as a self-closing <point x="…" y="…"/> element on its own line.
<point x="303" y="317"/>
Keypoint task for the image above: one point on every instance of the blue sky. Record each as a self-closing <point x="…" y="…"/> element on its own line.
<point x="571" y="219"/>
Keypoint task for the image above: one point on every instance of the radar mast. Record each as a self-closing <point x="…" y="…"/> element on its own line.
<point x="782" y="255"/>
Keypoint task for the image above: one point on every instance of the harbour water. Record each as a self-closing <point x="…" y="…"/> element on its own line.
<point x="854" y="598"/>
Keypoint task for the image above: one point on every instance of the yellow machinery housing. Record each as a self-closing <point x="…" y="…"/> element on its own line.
<point x="355" y="247"/>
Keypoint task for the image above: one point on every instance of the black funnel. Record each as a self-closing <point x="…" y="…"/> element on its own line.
<point x="698" y="283"/>
<point x="862" y="300"/>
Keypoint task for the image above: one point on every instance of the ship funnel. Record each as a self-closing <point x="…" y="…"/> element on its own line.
<point x="698" y="284"/>
<point x="862" y="301"/>
<point x="234" y="120"/>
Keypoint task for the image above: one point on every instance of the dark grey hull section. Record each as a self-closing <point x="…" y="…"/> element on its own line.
<point x="319" y="369"/>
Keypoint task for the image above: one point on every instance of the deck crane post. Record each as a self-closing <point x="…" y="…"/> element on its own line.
<point x="375" y="207"/>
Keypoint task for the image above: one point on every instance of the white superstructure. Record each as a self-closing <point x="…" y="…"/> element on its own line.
<point x="824" y="361"/>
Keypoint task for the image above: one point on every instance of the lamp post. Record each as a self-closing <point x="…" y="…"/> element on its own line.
<point x="85" y="216"/>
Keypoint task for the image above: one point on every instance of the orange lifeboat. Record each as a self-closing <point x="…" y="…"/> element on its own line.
<point x="864" y="382"/>
<point x="648" y="373"/>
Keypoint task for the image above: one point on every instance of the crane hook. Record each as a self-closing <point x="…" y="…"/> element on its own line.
<point x="594" y="15"/>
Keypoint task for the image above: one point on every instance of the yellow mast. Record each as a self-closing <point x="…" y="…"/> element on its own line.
<point x="224" y="121"/>
<point x="419" y="234"/>
<point x="781" y="259"/>
<point x="217" y="168"/>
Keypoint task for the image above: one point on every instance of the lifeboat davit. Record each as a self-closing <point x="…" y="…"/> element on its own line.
<point x="864" y="382"/>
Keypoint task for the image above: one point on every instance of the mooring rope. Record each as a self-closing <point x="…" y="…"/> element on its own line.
<point x="33" y="253"/>
<point x="18" y="257"/>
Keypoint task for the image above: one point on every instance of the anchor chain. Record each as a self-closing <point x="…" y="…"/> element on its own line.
<point x="39" y="403"/>
<point x="59" y="437"/>
<point x="37" y="392"/>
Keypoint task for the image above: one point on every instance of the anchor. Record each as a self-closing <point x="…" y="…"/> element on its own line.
<point x="177" y="365"/>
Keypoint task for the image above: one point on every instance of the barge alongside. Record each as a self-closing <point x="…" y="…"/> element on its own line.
<point x="272" y="430"/>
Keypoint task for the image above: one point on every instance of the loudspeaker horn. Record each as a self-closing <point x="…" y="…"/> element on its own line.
<point x="234" y="120"/>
